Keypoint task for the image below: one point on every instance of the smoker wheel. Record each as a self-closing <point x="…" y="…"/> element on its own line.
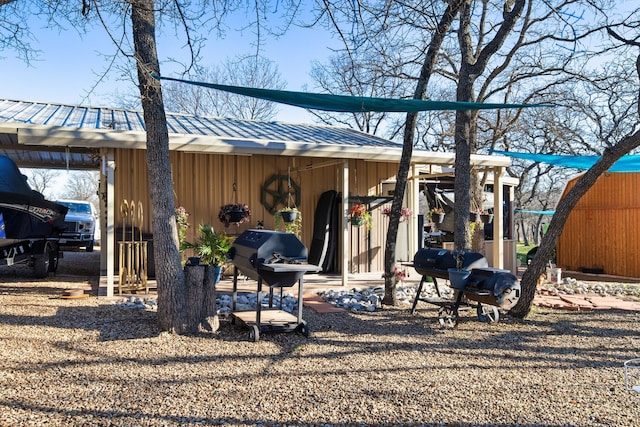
<point x="254" y="333"/>
<point x="448" y="317"/>
<point x="488" y="313"/>
<point x="303" y="328"/>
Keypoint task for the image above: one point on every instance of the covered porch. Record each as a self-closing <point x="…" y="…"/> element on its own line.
<point x="216" y="161"/>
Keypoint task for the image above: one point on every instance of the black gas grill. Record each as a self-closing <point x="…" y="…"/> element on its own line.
<point x="279" y="260"/>
<point x="484" y="285"/>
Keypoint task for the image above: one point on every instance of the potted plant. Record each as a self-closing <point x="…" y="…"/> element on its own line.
<point x="290" y="219"/>
<point x="437" y="215"/>
<point x="360" y="216"/>
<point x="458" y="276"/>
<point x="234" y="213"/>
<point x="212" y="248"/>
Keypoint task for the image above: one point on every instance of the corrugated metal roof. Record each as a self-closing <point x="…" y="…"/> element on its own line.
<point x="57" y="135"/>
<point x="70" y="116"/>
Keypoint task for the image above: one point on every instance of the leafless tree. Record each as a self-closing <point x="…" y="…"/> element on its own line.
<point x="377" y="27"/>
<point x="240" y="71"/>
<point x="356" y="74"/>
<point x="41" y="179"/>
<point x="15" y="35"/>
<point x="82" y="185"/>
<point x="615" y="111"/>
<point x="517" y="50"/>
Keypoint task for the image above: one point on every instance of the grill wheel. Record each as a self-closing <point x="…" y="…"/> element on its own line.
<point x="448" y="317"/>
<point x="488" y="313"/>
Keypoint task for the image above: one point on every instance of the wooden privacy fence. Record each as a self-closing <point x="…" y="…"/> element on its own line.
<point x="132" y="260"/>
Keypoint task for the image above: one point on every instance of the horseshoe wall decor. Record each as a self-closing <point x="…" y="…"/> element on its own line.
<point x="276" y="192"/>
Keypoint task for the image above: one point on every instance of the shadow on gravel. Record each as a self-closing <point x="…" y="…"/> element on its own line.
<point x="77" y="269"/>
<point x="110" y="321"/>
<point x="506" y="345"/>
<point x="118" y="416"/>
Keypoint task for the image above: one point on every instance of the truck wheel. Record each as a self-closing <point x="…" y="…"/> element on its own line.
<point x="54" y="259"/>
<point x="90" y="247"/>
<point x="41" y="263"/>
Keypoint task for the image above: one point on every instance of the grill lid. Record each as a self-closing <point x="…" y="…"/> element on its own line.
<point x="256" y="247"/>
<point x="430" y="261"/>
<point x="277" y="257"/>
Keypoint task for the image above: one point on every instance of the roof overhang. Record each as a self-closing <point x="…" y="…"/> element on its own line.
<point x="64" y="138"/>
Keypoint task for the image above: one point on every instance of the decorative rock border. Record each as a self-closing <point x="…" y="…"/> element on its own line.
<point x="570" y="295"/>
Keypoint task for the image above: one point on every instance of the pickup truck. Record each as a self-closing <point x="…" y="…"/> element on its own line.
<point x="79" y="225"/>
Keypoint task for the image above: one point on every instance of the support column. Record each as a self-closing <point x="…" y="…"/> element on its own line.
<point x="413" y="189"/>
<point x="110" y="166"/>
<point x="344" y="223"/>
<point x="498" y="218"/>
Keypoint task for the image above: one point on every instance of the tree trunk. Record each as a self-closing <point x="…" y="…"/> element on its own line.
<point x="473" y="64"/>
<point x="169" y="273"/>
<point x="194" y="278"/>
<point x="548" y="244"/>
<point x="462" y="178"/>
<point x="405" y="160"/>
<point x="200" y="309"/>
<point x="525" y="235"/>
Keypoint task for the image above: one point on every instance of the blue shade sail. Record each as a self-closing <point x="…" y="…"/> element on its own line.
<point x="348" y="104"/>
<point x="527" y="211"/>
<point x="627" y="163"/>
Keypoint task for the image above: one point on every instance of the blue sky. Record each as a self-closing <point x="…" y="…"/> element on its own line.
<point x="69" y="65"/>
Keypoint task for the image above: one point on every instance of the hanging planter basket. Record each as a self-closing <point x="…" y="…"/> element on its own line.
<point x="234" y="214"/>
<point x="474" y="217"/>
<point x="437" y="218"/>
<point x="357" y="221"/>
<point x="486" y="218"/>
<point x="289" y="216"/>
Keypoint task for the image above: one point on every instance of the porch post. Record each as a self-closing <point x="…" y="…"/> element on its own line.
<point x="414" y="205"/>
<point x="346" y="236"/>
<point x="110" y="167"/>
<point x="498" y="218"/>
<point x="102" y="202"/>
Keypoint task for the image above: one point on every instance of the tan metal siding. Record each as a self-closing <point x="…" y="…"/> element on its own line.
<point x="204" y="182"/>
<point x="603" y="229"/>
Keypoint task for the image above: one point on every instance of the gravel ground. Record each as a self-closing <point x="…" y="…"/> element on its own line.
<point x="71" y="362"/>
